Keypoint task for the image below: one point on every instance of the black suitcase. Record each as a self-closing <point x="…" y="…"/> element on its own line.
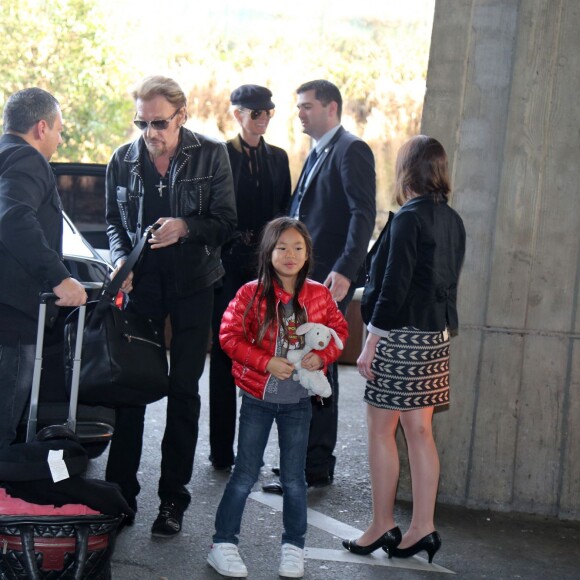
<point x="56" y="547"/>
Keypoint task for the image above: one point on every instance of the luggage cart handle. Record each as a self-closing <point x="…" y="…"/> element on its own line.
<point x="46" y="296"/>
<point x="31" y="427"/>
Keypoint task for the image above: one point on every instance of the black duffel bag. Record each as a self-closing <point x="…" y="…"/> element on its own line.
<point x="124" y="360"/>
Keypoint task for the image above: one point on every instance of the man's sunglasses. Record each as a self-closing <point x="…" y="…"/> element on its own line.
<point x="159" y="125"/>
<point x="256" y="114"/>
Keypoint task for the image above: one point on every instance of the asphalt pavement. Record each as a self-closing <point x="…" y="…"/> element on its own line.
<point x="476" y="544"/>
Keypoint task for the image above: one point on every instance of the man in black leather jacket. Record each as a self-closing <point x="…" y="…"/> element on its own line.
<point x="30" y="243"/>
<point x="181" y="181"/>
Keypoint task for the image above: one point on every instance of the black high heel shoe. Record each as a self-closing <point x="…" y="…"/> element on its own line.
<point x="430" y="543"/>
<point x="390" y="539"/>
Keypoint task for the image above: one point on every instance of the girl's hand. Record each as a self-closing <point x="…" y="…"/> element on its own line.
<point x="312" y="362"/>
<point x="280" y="367"/>
<point x="366" y="357"/>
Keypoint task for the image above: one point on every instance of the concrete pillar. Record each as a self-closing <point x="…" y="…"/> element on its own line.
<point x="503" y="96"/>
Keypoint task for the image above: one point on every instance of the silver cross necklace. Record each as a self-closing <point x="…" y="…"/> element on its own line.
<point x="162" y="178"/>
<point x="161" y="186"/>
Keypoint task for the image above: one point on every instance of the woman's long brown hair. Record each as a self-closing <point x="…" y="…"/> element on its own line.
<point x="422" y="168"/>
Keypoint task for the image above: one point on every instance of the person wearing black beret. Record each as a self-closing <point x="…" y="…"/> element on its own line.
<point x="262" y="188"/>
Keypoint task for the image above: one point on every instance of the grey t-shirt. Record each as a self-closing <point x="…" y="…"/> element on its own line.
<point x="289" y="390"/>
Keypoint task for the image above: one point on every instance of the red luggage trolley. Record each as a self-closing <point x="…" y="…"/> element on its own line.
<point x="43" y="547"/>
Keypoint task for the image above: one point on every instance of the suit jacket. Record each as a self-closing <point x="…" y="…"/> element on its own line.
<point x="339" y="206"/>
<point x="424" y="247"/>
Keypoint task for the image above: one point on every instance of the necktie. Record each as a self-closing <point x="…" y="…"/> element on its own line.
<point x="310" y="162"/>
<point x="297" y="198"/>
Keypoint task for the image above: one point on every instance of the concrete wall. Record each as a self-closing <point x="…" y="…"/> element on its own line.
<point x="503" y="96"/>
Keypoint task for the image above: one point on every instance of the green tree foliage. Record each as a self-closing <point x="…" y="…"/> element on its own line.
<point x="89" y="52"/>
<point x="62" y="46"/>
<point x="379" y="64"/>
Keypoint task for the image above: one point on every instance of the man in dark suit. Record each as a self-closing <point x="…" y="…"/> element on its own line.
<point x="335" y="198"/>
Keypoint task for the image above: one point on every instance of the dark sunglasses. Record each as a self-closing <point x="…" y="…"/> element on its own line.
<point x="256" y="114"/>
<point x="159" y="125"/>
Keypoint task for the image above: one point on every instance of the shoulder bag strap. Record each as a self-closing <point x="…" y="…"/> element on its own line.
<point x="113" y="287"/>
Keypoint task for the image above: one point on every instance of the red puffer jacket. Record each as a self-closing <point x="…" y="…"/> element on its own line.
<point x="249" y="359"/>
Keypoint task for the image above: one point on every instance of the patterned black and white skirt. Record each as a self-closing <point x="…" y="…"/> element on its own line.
<point x="411" y="369"/>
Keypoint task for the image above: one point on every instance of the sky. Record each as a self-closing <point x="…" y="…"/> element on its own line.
<point x="183" y="14"/>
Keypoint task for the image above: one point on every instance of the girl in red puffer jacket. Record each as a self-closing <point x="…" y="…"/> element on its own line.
<point x="257" y="330"/>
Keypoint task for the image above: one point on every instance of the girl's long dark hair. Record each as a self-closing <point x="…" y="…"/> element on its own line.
<point x="266" y="275"/>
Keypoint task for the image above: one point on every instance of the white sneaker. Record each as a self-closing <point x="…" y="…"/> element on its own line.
<point x="292" y="562"/>
<point x="226" y="560"/>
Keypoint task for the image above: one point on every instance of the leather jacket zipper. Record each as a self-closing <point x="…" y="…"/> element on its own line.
<point x="131" y="337"/>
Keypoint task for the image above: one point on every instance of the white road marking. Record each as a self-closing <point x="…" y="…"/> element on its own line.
<point x="378" y="558"/>
<point x="341" y="530"/>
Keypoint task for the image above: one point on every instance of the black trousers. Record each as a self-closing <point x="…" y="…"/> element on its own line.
<point x="190" y="321"/>
<point x="222" y="389"/>
<point x="320" y="459"/>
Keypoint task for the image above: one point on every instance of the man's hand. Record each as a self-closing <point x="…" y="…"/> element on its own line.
<point x="338" y="285"/>
<point x="280" y="367"/>
<point x="70" y="292"/>
<point x="127" y="285"/>
<point x="170" y="232"/>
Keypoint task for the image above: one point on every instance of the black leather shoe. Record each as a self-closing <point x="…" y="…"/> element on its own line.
<point x="323" y="481"/>
<point x="388" y="540"/>
<point x="430" y="543"/>
<point x="220" y="466"/>
<point x="168" y="522"/>
<point x="274" y="487"/>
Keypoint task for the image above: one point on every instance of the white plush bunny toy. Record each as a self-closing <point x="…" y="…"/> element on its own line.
<point x="316" y="337"/>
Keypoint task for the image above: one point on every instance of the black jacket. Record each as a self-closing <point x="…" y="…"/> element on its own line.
<point x="277" y="171"/>
<point x="375" y="266"/>
<point x="424" y="250"/>
<point x="30" y="226"/>
<point x="201" y="192"/>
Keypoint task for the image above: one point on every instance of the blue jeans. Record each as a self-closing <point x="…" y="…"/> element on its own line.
<point x="256" y="418"/>
<point x="16" y="369"/>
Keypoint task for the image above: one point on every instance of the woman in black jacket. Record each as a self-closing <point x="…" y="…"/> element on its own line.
<point x="410" y="308"/>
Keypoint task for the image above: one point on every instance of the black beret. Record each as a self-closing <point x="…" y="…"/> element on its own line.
<point x="252" y="97"/>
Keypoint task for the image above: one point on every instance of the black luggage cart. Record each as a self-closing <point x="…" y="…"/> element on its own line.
<point x="56" y="547"/>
